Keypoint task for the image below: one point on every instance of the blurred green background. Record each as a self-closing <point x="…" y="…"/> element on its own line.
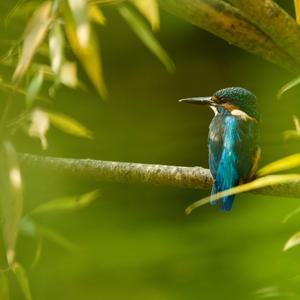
<point x="135" y="242"/>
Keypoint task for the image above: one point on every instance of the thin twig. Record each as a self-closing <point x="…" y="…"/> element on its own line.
<point x="6" y="110"/>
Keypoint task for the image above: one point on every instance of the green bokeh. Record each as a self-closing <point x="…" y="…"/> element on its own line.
<point x="135" y="242"/>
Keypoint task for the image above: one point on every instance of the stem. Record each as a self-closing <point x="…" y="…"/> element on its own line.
<point x="6" y="111"/>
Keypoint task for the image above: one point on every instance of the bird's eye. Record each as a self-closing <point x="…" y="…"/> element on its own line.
<point x="220" y="100"/>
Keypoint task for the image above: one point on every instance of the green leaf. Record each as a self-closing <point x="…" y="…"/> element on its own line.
<point x="297" y="10"/>
<point x="69" y="125"/>
<point x="6" y="86"/>
<point x="38" y="253"/>
<point x="39" y="126"/>
<point x="56" y="238"/>
<point x="33" y="37"/>
<point x="34" y="87"/>
<point x="288" y="86"/>
<point x="67" y="203"/>
<point x="296" y="123"/>
<point x="80" y="14"/>
<point x="22" y="279"/>
<point x="291" y="135"/>
<point x="96" y="14"/>
<point x="291" y="214"/>
<point x="86" y="48"/>
<point x="144" y="33"/>
<point x="11" y="198"/>
<point x="253" y="185"/>
<point x="4" y="288"/>
<point x="68" y="74"/>
<point x="28" y="227"/>
<point x="292" y="241"/>
<point x="286" y="163"/>
<point x="56" y="46"/>
<point x="149" y="8"/>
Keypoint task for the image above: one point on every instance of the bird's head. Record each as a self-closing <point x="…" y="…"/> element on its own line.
<point x="237" y="101"/>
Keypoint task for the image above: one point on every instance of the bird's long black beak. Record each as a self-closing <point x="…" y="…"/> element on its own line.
<point x="199" y="100"/>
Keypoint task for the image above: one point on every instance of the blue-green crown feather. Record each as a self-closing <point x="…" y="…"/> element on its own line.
<point x="236" y="93"/>
<point x="241" y="98"/>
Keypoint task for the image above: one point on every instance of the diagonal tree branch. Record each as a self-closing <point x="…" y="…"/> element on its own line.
<point x="229" y="23"/>
<point x="274" y="21"/>
<point x="159" y="175"/>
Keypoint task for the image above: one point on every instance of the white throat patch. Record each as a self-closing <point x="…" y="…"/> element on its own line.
<point x="241" y="114"/>
<point x="214" y="110"/>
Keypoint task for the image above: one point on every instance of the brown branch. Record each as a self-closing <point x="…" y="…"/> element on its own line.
<point x="274" y="21"/>
<point x="227" y="22"/>
<point x="111" y="171"/>
<point x="150" y="174"/>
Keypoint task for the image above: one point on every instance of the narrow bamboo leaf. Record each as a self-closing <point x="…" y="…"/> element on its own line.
<point x="291" y="135"/>
<point x="296" y="123"/>
<point x="34" y="87"/>
<point x="96" y="14"/>
<point x="11" y="198"/>
<point x="38" y="253"/>
<point x="297" y="10"/>
<point x="4" y="288"/>
<point x="288" y="86"/>
<point x="253" y="185"/>
<point x="6" y="86"/>
<point x="79" y="10"/>
<point x="146" y="36"/>
<point x="69" y="125"/>
<point x="68" y="74"/>
<point x="88" y="53"/>
<point x="33" y="37"/>
<point x="39" y="126"/>
<point x="286" y="163"/>
<point x="292" y="241"/>
<point x="149" y="8"/>
<point x="291" y="214"/>
<point x="22" y="279"/>
<point x="67" y="203"/>
<point x="56" y="238"/>
<point x="56" y="46"/>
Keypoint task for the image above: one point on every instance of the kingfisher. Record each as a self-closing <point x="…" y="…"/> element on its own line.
<point x="232" y="140"/>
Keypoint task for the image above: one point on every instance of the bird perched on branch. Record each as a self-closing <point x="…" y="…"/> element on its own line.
<point x="232" y="140"/>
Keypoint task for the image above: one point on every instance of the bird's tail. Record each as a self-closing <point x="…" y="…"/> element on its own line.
<point x="225" y="203"/>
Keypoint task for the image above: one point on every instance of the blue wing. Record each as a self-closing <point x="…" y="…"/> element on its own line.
<point x="227" y="173"/>
<point x="215" y="143"/>
<point x="232" y="149"/>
